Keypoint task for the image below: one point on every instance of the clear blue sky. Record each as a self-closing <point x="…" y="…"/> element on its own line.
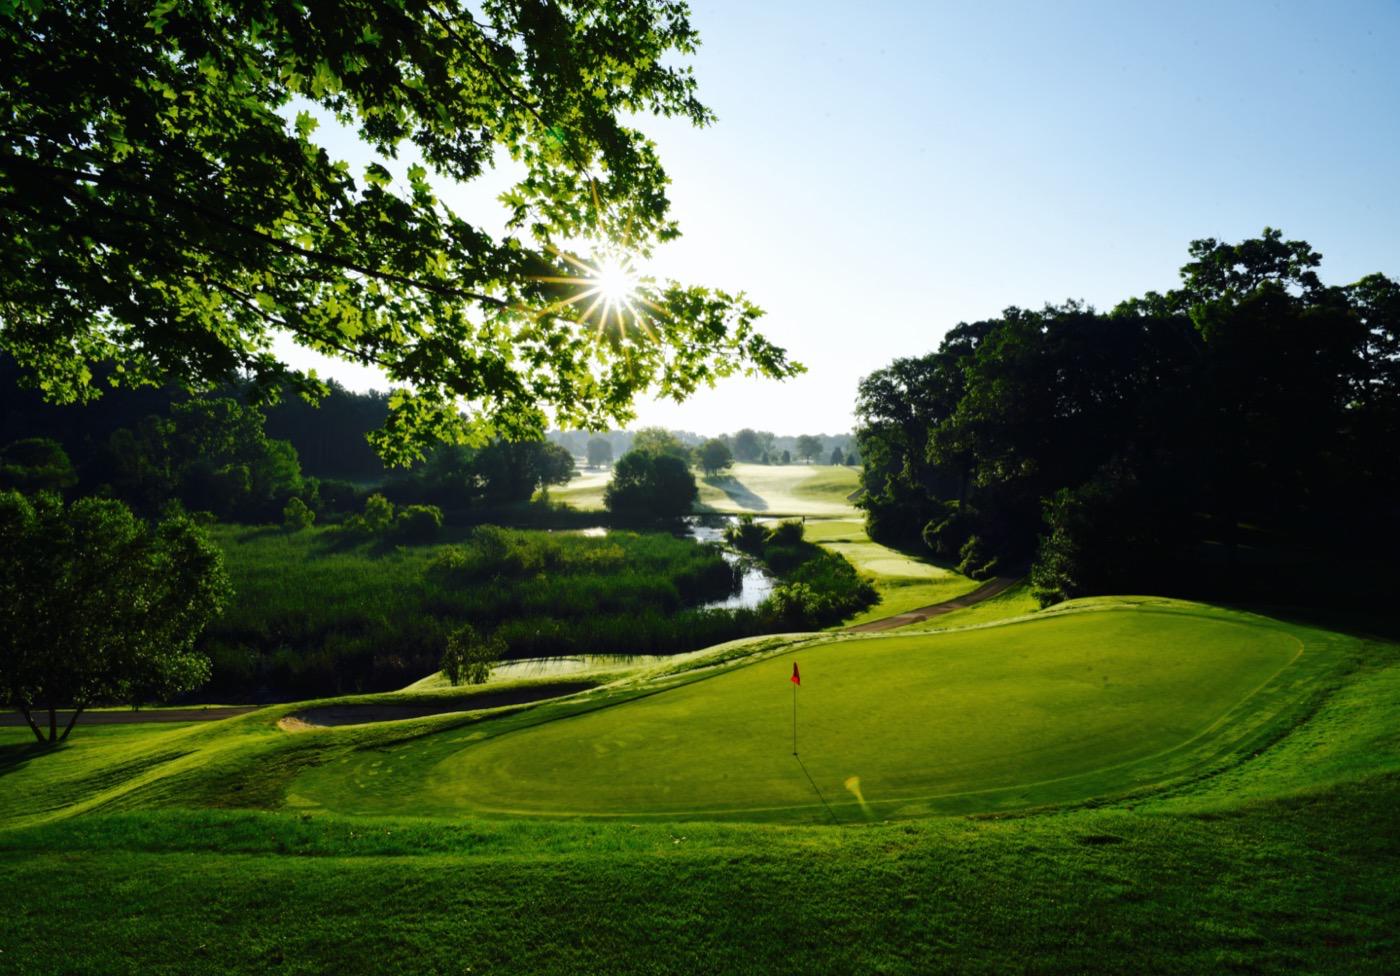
<point x="882" y="171"/>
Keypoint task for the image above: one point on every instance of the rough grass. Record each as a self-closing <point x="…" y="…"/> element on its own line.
<point x="317" y="614"/>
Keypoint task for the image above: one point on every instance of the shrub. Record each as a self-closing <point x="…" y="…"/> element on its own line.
<point x="975" y="558"/>
<point x="788" y="533"/>
<point x="296" y="516"/>
<point x="417" y="523"/>
<point x="379" y="514"/>
<point x="746" y="535"/>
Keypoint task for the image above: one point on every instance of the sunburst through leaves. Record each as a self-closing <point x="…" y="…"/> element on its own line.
<point x="607" y="292"/>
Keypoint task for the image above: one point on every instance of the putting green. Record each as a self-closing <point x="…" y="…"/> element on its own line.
<point x="1043" y="711"/>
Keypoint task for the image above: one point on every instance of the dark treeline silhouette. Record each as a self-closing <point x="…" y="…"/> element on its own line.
<point x="219" y="453"/>
<point x="1236" y="437"/>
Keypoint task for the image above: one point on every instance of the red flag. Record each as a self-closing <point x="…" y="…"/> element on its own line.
<point x="796" y="678"/>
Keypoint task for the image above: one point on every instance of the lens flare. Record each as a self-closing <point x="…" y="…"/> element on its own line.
<point x="607" y="289"/>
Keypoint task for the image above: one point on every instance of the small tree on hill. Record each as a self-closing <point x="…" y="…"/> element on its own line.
<point x="836" y="456"/>
<point x="469" y="657"/>
<point x="714" y="456"/>
<point x="787" y="457"/>
<point x="96" y="607"/>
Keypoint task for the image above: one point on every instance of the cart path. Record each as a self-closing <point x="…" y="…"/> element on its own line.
<point x="989" y="589"/>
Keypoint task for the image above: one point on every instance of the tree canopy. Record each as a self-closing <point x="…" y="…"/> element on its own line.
<point x="1140" y="448"/>
<point x="169" y="210"/>
<point x="714" y="456"/>
<point x="650" y="486"/>
<point x="97" y="607"/>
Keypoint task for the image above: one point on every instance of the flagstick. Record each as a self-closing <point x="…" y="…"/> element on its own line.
<point x="794" y="718"/>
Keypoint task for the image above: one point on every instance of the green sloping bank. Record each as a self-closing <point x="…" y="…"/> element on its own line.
<point x="1044" y="710"/>
<point x="1226" y="804"/>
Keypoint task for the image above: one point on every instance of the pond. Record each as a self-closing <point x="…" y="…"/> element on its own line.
<point x="755" y="583"/>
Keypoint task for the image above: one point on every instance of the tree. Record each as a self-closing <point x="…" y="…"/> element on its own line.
<point x="809" y="448"/>
<point x="787" y="457"/>
<point x="36" y="464"/>
<point x="600" y="452"/>
<point x="647" y="485"/>
<point x="658" y="440"/>
<point x="166" y="212"/>
<point x="748" y="446"/>
<point x="837" y="457"/>
<point x="469" y="657"/>
<point x="714" y="456"/>
<point x="96" y="607"/>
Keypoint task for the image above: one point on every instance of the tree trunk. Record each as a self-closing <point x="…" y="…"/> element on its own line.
<point x="77" y="710"/>
<point x="53" y="724"/>
<point x="33" y="725"/>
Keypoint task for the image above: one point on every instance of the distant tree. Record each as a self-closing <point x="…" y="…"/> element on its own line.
<point x="469" y="657"/>
<point x="764" y="458"/>
<point x="96" y="607"/>
<point x="837" y="457"/>
<point x="809" y="448"/>
<point x="649" y="485"/>
<point x="600" y="452"/>
<point x="658" y="440"/>
<point x="209" y="453"/>
<point x="787" y="457"/>
<point x="36" y="464"/>
<point x="851" y="459"/>
<point x="747" y="445"/>
<point x="296" y="515"/>
<point x="714" y="456"/>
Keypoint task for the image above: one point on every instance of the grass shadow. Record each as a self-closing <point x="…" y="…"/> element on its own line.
<point x="738" y="493"/>
<point x="18" y="754"/>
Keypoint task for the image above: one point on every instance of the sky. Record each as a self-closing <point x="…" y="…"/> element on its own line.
<point x="880" y="172"/>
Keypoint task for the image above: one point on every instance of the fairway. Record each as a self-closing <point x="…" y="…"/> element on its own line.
<point x="1051" y="710"/>
<point x="780" y="489"/>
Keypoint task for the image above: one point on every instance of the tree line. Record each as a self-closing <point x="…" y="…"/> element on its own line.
<point x="1211" y="440"/>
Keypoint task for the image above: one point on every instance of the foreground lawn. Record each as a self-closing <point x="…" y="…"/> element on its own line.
<point x="1265" y="843"/>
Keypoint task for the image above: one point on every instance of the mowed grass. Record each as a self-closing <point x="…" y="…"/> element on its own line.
<point x="1060" y="708"/>
<point x="903" y="582"/>
<point x="780" y="489"/>
<point x="1272" y="848"/>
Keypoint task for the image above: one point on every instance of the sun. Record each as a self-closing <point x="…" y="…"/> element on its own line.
<point x="607" y="291"/>
<point x="615" y="280"/>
